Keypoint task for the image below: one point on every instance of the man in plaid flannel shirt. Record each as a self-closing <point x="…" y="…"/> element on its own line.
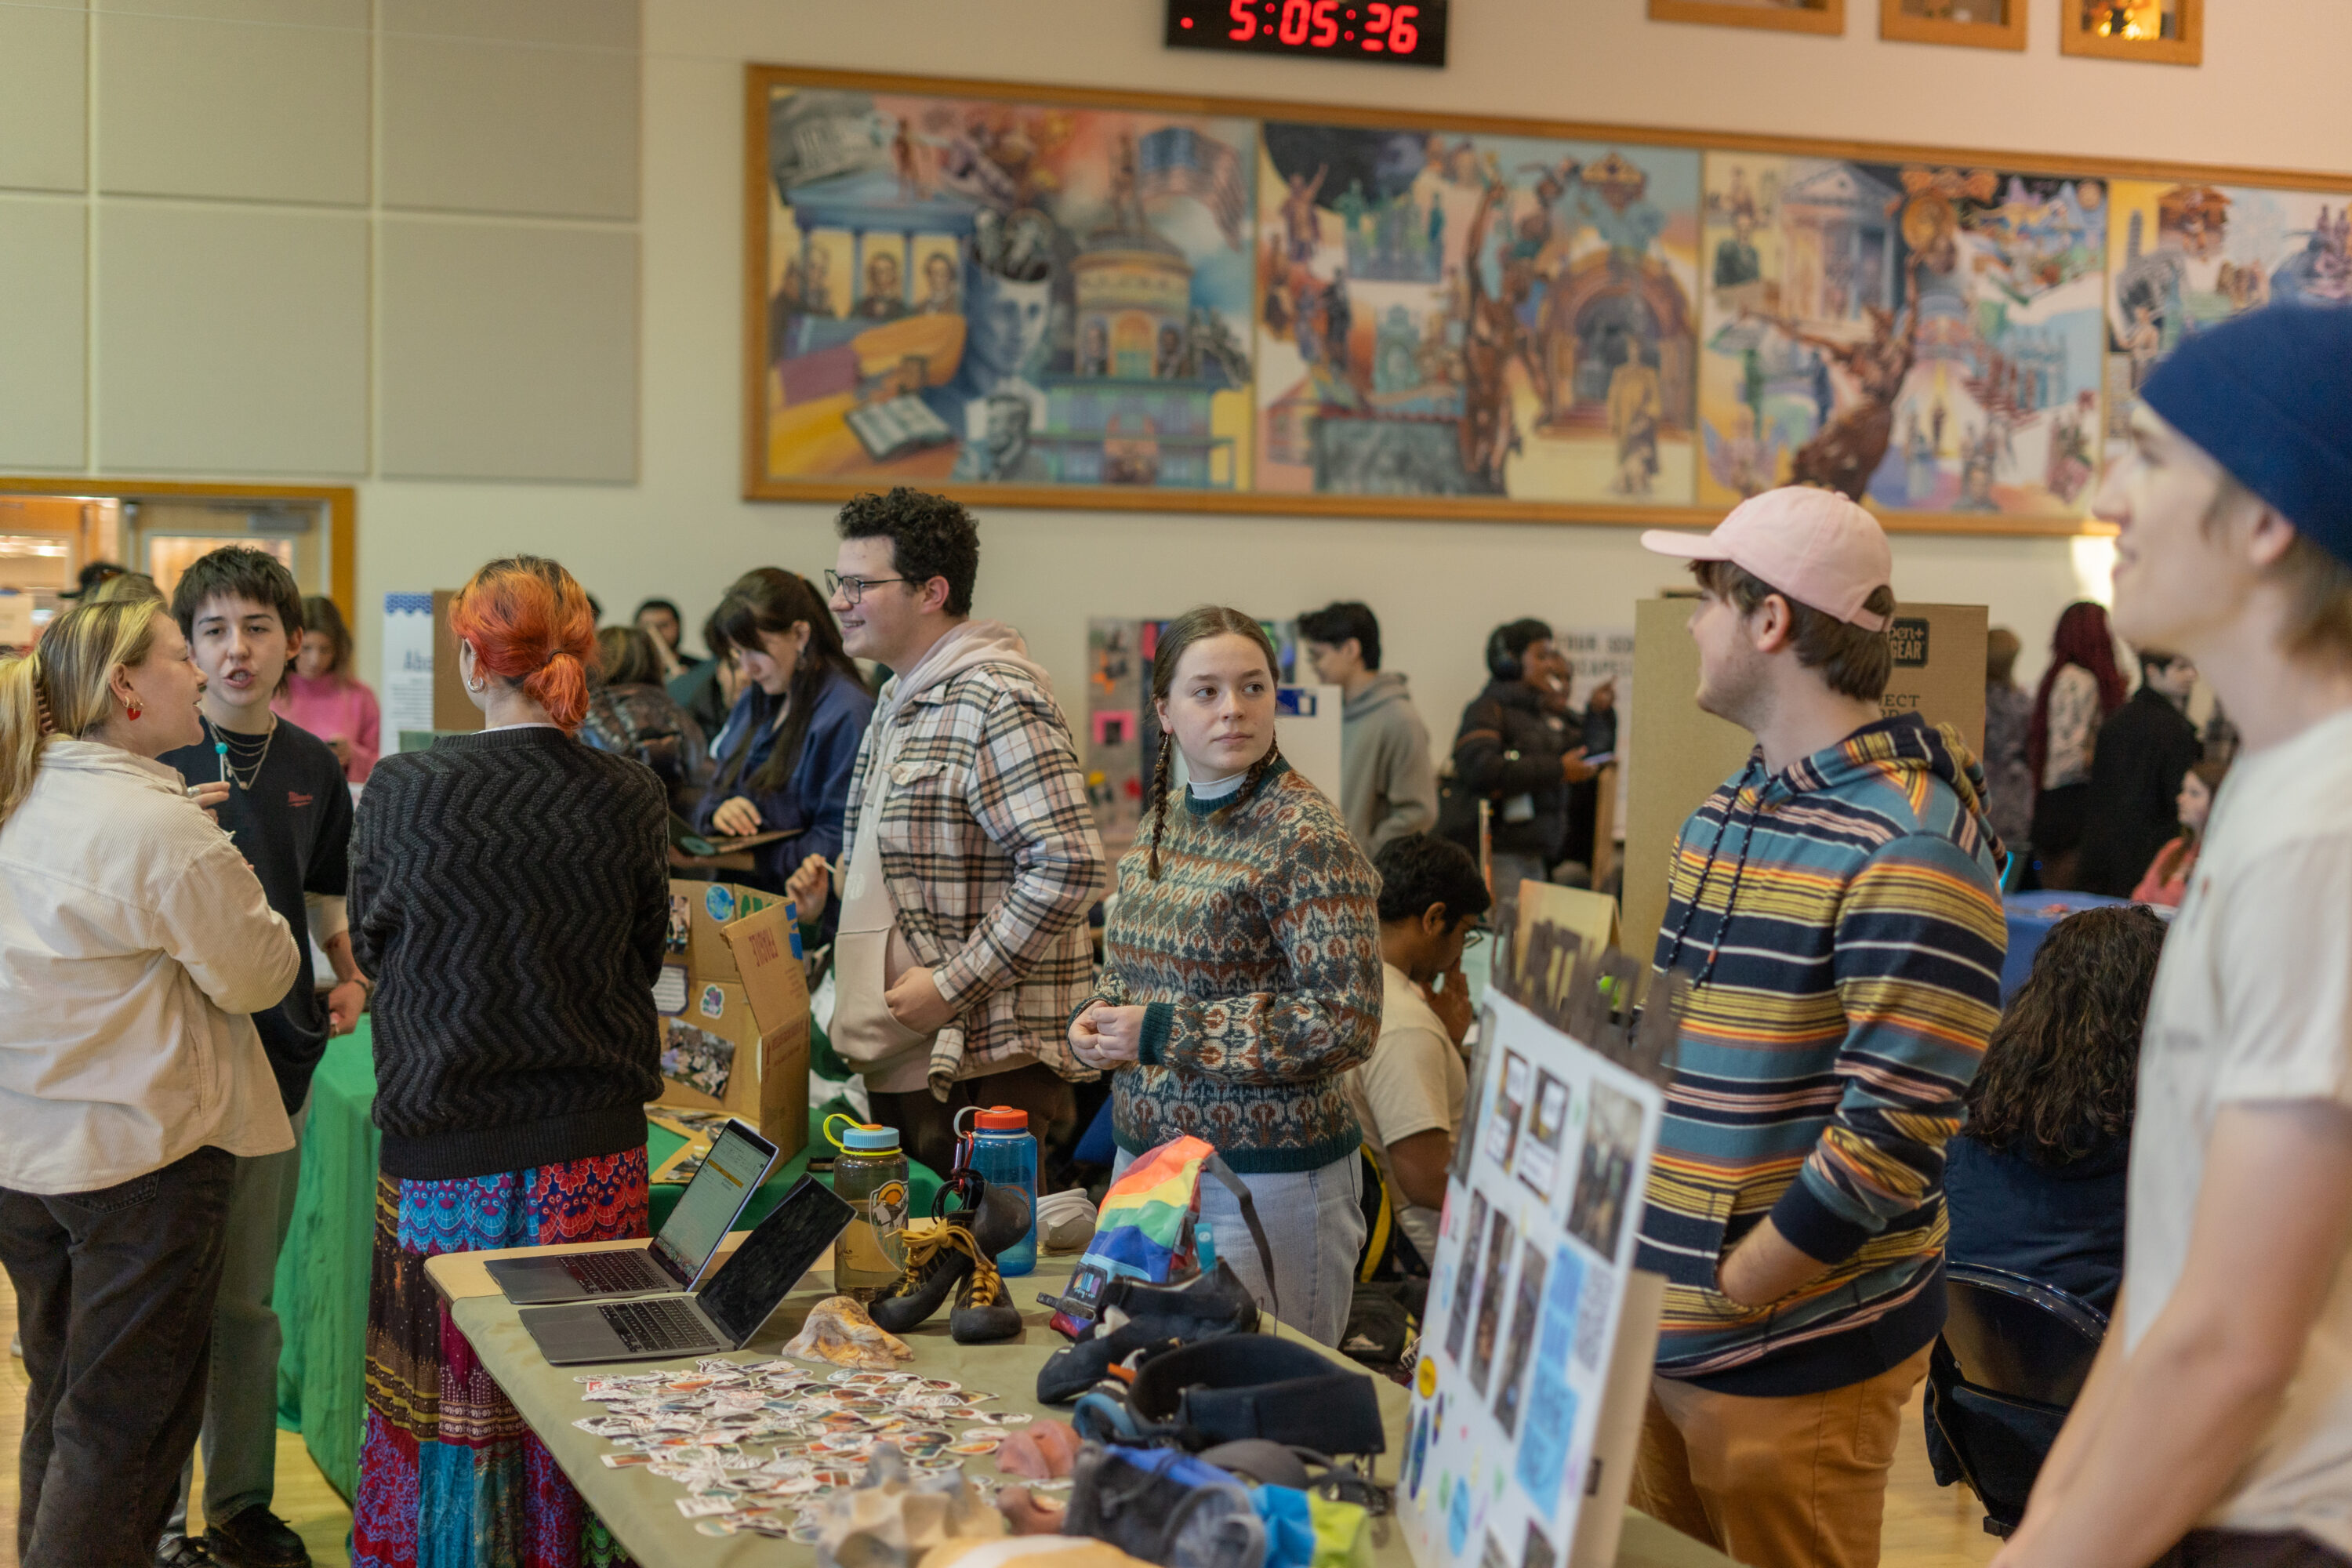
<point x="971" y="857"/>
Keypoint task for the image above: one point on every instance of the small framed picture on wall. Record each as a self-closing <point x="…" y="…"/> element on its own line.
<point x="1784" y="15"/>
<point x="1973" y="24"/>
<point x="2159" y="32"/>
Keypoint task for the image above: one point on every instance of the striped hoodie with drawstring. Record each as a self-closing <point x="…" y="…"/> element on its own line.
<point x="1841" y="922"/>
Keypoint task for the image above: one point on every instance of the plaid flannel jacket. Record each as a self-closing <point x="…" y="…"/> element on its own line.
<point x="992" y="859"/>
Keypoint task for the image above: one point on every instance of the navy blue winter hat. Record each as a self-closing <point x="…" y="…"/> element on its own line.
<point x="2268" y="395"/>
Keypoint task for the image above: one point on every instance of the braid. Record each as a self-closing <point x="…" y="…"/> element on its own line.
<point x="1257" y="774"/>
<point x="1159" y="799"/>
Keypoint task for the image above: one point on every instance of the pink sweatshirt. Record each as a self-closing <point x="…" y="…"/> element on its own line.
<point x="335" y="708"/>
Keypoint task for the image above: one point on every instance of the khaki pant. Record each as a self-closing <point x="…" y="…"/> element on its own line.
<point x="1793" y="1482"/>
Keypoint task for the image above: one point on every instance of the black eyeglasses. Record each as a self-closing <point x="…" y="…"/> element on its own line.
<point x="1473" y="936"/>
<point x="853" y="589"/>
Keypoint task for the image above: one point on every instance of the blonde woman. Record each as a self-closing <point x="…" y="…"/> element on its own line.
<point x="135" y="942"/>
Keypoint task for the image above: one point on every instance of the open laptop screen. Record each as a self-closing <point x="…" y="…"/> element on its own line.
<point x="772" y="1258"/>
<point x="706" y="1209"/>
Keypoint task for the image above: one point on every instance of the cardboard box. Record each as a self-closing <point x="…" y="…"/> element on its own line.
<point x="1683" y="754"/>
<point x="708" y="907"/>
<point x="741" y="1046"/>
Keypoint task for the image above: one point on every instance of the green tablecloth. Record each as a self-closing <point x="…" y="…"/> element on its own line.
<point x="323" y="1275"/>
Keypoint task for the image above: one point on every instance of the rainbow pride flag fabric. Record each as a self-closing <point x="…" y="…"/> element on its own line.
<point x="1144" y="1229"/>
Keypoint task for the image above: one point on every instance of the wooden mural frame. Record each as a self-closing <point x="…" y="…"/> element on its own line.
<point x="2010" y="33"/>
<point x="2189" y="49"/>
<point x="1828" y="19"/>
<point x="759" y="484"/>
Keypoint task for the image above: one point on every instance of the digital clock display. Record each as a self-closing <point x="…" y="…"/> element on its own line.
<point x="1379" y="31"/>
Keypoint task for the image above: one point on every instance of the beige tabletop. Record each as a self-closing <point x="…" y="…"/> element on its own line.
<point x="641" y="1508"/>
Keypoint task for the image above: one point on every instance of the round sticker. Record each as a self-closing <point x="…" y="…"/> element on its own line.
<point x="713" y="1003"/>
<point x="720" y="903"/>
<point x="1428" y="1377"/>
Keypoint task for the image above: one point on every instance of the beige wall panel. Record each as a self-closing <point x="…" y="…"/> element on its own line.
<point x="232" y="340"/>
<point x="509" y="353"/>
<point x="262" y="99"/>
<point x="520" y="106"/>
<point x="44" y="64"/>
<point x="43" y="326"/>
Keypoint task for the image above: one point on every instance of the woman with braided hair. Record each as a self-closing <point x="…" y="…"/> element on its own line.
<point x="135" y="944"/>
<point x="1241" y="975"/>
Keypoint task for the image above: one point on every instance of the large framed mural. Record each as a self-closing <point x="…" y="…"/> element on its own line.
<point x="1061" y="297"/>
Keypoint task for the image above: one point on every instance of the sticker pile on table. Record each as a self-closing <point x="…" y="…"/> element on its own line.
<point x="759" y="1446"/>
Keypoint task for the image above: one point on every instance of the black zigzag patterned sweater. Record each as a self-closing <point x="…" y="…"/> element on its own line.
<point x="509" y="894"/>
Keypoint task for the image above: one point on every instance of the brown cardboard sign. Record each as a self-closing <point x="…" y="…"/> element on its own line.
<point x="772" y="977"/>
<point x="708" y="907"/>
<point x="1682" y="755"/>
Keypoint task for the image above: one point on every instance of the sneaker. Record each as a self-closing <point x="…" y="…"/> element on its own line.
<point x="256" y="1538"/>
<point x="182" y="1552"/>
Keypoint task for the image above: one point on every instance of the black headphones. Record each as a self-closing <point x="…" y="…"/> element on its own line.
<point x="1502" y="663"/>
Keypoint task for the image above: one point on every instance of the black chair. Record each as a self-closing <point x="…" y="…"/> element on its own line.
<point x="2014" y="1356"/>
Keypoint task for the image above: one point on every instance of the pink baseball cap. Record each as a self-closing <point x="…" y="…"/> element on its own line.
<point x="1814" y="545"/>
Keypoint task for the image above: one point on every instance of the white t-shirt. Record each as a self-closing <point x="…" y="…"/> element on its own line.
<point x="1413" y="1081"/>
<point x="2253" y="1002"/>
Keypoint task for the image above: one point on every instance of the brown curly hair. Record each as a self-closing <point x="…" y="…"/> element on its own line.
<point x="2062" y="1065"/>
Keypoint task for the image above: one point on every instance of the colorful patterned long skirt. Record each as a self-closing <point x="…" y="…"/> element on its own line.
<point x="450" y="1476"/>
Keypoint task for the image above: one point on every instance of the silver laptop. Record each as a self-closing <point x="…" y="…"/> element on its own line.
<point x="676" y="1259"/>
<point x="722" y="1315"/>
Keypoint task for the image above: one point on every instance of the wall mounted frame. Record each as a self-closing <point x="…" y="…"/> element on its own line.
<point x="2080" y="23"/>
<point x="1896" y="23"/>
<point x="1823" y="16"/>
<point x="1953" y="202"/>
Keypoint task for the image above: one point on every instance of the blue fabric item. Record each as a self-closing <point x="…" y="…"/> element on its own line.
<point x="2030" y="917"/>
<point x="816" y="797"/>
<point x="2061" y="1226"/>
<point x="1098" y="1147"/>
<point x="1289" y="1527"/>
<point x="2269" y="395"/>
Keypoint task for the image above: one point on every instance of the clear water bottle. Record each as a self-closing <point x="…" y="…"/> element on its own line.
<point x="1005" y="1154"/>
<point x="869" y="1175"/>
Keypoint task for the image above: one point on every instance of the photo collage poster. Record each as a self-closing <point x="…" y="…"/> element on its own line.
<point x="968" y="288"/>
<point x="1539" y="1233"/>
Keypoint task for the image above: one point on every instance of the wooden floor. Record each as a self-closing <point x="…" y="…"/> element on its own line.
<point x="1927" y="1527"/>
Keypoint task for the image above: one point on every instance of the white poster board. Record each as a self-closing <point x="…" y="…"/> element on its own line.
<point x="1598" y="654"/>
<point x="1526" y="1299"/>
<point x="1307" y="723"/>
<point x="406" y="687"/>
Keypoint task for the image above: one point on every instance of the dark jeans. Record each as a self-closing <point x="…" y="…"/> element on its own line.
<point x="114" y="1298"/>
<point x="2247" y="1549"/>
<point x="927" y="1126"/>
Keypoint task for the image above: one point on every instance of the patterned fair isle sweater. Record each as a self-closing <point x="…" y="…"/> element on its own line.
<point x="1842" y="923"/>
<point x="1257" y="958"/>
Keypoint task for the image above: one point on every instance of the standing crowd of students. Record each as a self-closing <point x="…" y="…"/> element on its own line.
<point x="1280" y="976"/>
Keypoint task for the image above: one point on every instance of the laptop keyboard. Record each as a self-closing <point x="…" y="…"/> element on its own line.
<point x="609" y="1270"/>
<point x="656" y="1325"/>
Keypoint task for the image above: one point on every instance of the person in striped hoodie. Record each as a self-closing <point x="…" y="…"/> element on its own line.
<point x="1836" y="907"/>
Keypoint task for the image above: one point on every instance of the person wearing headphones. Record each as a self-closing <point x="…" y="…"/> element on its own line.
<point x="1520" y="748"/>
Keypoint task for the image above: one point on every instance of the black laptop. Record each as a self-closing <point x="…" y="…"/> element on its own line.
<point x="722" y="1315"/>
<point x="675" y="1261"/>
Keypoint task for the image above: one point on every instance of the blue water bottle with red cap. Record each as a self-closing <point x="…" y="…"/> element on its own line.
<point x="1004" y="1154"/>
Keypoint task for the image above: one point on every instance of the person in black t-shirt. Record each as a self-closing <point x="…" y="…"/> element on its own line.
<point x="288" y="810"/>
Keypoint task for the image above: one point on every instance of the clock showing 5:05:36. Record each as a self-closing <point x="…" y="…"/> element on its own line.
<point x="1379" y="32"/>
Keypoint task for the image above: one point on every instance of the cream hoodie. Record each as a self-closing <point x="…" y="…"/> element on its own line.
<point x="135" y="943"/>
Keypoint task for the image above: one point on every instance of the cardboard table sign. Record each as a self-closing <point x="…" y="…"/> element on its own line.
<point x="1538" y="1337"/>
<point x="707" y="906"/>
<point x="742" y="1045"/>
<point x="1937" y="673"/>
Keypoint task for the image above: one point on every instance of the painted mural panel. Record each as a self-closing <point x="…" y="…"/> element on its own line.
<point x="1926" y="338"/>
<point x="2181" y="257"/>
<point x="1027" y="294"/>
<point x="1470" y="315"/>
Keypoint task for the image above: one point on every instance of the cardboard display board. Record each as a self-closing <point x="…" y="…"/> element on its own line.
<point x="1537" y="1342"/>
<point x="699" y="912"/>
<point x="738" y="1043"/>
<point x="1938" y="673"/>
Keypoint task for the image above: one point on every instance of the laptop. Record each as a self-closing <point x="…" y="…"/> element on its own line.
<point x="722" y="1314"/>
<point x="675" y="1261"/>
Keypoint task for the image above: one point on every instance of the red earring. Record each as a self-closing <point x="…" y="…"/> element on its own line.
<point x="135" y="711"/>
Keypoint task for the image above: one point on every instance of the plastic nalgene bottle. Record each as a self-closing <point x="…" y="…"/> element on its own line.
<point x="1004" y="1154"/>
<point x="869" y="1175"/>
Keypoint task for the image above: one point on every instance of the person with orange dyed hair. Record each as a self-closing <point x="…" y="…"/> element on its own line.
<point x="509" y="893"/>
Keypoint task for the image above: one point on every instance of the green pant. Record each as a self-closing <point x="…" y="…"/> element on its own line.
<point x="240" y="1433"/>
